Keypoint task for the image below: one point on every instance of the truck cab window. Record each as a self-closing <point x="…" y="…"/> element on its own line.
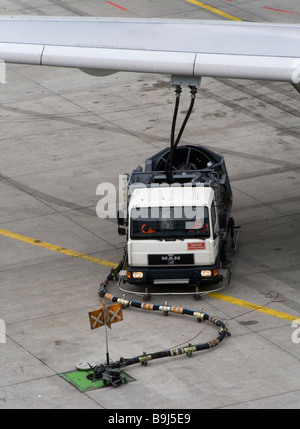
<point x="172" y="222"/>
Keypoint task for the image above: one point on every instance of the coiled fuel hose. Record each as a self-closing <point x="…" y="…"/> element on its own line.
<point x="165" y="309"/>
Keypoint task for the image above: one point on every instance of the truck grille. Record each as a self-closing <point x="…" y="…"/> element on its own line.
<point x="170" y="259"/>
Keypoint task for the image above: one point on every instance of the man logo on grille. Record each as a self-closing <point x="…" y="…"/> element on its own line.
<point x="170" y="259"/>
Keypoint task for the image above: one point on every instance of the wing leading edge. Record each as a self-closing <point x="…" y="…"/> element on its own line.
<point x="189" y="48"/>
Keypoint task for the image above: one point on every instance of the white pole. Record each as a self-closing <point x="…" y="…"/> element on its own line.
<point x="107" y="354"/>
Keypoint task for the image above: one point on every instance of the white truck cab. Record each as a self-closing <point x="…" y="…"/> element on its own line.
<point x="171" y="226"/>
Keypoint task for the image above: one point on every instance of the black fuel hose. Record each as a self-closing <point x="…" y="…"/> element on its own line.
<point x="165" y="309"/>
<point x="174" y="143"/>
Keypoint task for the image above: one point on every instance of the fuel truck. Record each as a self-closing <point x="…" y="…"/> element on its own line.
<point x="176" y="215"/>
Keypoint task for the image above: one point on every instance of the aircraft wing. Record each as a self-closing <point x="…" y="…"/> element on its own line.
<point x="189" y="48"/>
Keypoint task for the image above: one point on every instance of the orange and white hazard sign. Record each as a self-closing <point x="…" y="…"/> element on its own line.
<point x="105" y="315"/>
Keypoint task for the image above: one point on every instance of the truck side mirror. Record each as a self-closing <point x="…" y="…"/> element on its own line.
<point x="120" y="218"/>
<point x="122" y="222"/>
<point x="122" y="231"/>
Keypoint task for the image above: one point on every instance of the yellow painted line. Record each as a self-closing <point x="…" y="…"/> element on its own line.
<point x="106" y="263"/>
<point x="54" y="248"/>
<point x="214" y="10"/>
<point x="254" y="307"/>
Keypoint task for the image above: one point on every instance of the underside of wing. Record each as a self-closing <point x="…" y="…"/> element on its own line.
<point x="189" y="48"/>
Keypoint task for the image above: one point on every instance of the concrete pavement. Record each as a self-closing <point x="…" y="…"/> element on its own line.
<point x="62" y="134"/>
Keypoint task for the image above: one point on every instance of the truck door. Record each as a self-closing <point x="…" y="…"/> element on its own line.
<point x="215" y="229"/>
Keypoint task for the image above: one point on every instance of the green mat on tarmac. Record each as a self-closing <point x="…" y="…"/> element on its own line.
<point x="79" y="380"/>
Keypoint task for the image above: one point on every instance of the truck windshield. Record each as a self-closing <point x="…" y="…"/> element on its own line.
<point x="169" y="222"/>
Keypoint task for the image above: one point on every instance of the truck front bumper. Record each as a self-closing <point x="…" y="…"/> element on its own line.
<point x="179" y="275"/>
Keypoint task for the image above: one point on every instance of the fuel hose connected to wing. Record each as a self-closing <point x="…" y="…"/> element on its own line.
<point x="165" y="309"/>
<point x="173" y="142"/>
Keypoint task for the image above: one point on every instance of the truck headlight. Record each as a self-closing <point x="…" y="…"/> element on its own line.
<point x="137" y="274"/>
<point x="206" y="273"/>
